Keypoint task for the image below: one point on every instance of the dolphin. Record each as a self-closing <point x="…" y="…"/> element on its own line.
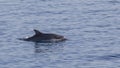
<point x="44" y="37"/>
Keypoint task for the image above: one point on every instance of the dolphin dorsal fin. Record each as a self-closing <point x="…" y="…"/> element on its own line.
<point x="37" y="32"/>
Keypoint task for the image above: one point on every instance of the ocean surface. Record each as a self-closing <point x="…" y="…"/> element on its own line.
<point x="92" y="28"/>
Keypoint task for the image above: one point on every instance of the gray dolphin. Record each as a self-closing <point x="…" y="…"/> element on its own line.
<point x="44" y="37"/>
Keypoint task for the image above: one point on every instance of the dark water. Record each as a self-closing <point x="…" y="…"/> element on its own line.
<point x="92" y="27"/>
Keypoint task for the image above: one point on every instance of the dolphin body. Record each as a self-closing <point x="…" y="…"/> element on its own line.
<point x="44" y="37"/>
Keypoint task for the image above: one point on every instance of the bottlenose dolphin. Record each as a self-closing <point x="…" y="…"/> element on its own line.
<point x="44" y="37"/>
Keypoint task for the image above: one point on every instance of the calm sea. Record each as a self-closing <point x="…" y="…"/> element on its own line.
<point x="92" y="27"/>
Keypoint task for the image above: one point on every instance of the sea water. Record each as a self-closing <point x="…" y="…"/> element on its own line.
<point x="92" y="28"/>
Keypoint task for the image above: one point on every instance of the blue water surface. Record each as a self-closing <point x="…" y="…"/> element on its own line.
<point x="92" y="28"/>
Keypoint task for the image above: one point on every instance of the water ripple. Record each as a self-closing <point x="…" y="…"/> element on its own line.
<point x="114" y="2"/>
<point x="110" y="57"/>
<point x="100" y="11"/>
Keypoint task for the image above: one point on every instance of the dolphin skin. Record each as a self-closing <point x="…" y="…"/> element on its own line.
<point x="44" y="37"/>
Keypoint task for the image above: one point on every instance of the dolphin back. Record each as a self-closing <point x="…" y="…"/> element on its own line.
<point x="24" y="39"/>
